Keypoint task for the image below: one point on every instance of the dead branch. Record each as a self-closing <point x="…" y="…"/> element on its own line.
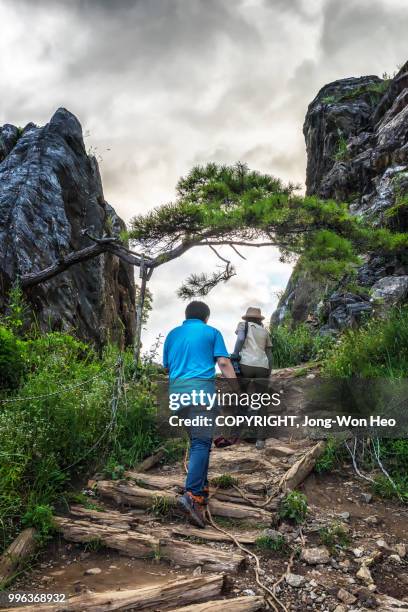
<point x="162" y="596"/>
<point x="16" y="554"/>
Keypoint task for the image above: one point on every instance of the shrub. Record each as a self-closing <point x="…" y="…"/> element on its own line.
<point x="12" y="359"/>
<point x="72" y="427"/>
<point x="334" y="535"/>
<point x="41" y="518"/>
<point x="294" y="507"/>
<point x="291" y="347"/>
<point x="333" y="451"/>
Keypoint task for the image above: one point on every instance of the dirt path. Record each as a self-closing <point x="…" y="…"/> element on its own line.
<point x="129" y="536"/>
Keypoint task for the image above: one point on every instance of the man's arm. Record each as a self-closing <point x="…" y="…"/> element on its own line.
<point x="225" y="365"/>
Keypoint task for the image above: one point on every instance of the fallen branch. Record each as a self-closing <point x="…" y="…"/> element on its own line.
<point x="153" y="460"/>
<point x="353" y="455"/>
<point x="17" y="554"/>
<point x="161" y="596"/>
<point x="157" y="481"/>
<point x="211" y="534"/>
<point x="147" y="545"/>
<point x="238" y="604"/>
<point x="107" y="517"/>
<point x="301" y="469"/>
<point x="125" y="522"/>
<point x="126" y="493"/>
<point x="390" y="604"/>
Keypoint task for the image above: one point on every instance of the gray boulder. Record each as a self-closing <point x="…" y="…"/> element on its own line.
<point x="50" y="190"/>
<point x="391" y="290"/>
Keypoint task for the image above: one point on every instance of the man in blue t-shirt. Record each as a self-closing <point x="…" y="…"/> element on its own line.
<point x="190" y="354"/>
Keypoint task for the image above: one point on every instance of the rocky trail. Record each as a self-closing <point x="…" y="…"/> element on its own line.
<point x="128" y="549"/>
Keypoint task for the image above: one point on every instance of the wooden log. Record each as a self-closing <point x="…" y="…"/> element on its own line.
<point x="249" y="603"/>
<point x="152" y="460"/>
<point x="159" y="481"/>
<point x="17" y="554"/>
<point x="130" y="543"/>
<point x="390" y="604"/>
<point x="156" y="481"/>
<point x="232" y="496"/>
<point x="145" y="545"/>
<point x="126" y="493"/>
<point x="120" y="520"/>
<point x="157" y="597"/>
<point x="107" y="517"/>
<point x="299" y="471"/>
<point x="211" y="534"/>
<point x="211" y="559"/>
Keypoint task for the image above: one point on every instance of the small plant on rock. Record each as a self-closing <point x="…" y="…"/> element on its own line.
<point x="334" y="535"/>
<point x="225" y="481"/>
<point x="294" y="507"/>
<point x="270" y="543"/>
<point x="161" y="506"/>
<point x="114" y="470"/>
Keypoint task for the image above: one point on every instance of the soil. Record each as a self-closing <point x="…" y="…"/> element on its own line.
<point x="62" y="566"/>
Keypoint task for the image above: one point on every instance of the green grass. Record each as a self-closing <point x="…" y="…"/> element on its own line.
<point x="374" y="91"/>
<point x="175" y="449"/>
<point x="341" y="153"/>
<point x="224" y="481"/>
<point x="300" y="344"/>
<point x="161" y="505"/>
<point x="378" y="349"/>
<point x="394" y="455"/>
<point x="268" y="543"/>
<point x="237" y="524"/>
<point x="376" y="355"/>
<point x="46" y="442"/>
<point x="94" y="545"/>
<point x="334" y="451"/>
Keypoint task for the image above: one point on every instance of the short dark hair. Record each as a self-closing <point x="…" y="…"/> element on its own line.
<point x="197" y="310"/>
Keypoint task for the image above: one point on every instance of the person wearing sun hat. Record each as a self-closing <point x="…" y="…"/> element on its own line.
<point x="254" y="348"/>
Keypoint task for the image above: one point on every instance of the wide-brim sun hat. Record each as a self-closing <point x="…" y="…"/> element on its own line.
<point x="253" y="313"/>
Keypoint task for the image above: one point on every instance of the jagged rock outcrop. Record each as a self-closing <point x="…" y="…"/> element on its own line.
<point x="356" y="133"/>
<point x="50" y="190"/>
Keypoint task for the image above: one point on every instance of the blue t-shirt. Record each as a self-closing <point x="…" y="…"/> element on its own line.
<point x="191" y="350"/>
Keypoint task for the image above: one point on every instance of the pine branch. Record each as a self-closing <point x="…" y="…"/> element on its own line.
<point x="201" y="284"/>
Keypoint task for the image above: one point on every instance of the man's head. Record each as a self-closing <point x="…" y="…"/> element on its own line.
<point x="198" y="310"/>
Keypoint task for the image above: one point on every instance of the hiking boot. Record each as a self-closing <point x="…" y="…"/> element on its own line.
<point x="260" y="444"/>
<point x="192" y="506"/>
<point x="206" y="494"/>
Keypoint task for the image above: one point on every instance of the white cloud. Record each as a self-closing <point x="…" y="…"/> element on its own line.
<point x="161" y="86"/>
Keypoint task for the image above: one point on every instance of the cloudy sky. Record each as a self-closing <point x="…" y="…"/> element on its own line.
<point x="161" y="85"/>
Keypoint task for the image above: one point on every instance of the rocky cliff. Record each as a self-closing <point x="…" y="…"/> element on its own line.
<point x="356" y="133"/>
<point x="50" y="190"/>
